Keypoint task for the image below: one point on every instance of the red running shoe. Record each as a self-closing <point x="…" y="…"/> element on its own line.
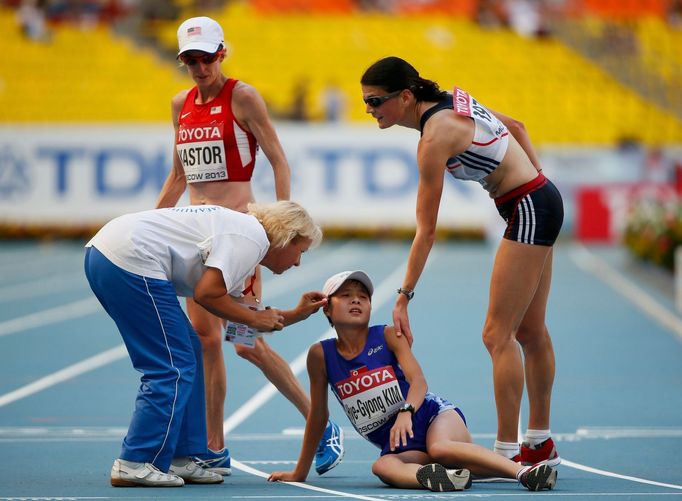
<point x="544" y="453"/>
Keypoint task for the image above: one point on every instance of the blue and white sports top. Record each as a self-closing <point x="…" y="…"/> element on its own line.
<point x="490" y="142"/>
<point x="371" y="387"/>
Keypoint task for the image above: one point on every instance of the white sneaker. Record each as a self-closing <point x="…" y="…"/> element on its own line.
<point x="192" y="473"/>
<point x="435" y="477"/>
<point x="131" y="474"/>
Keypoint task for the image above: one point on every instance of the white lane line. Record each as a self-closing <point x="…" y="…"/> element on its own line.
<point x="247" y="469"/>
<point x="72" y="371"/>
<point x="69" y="311"/>
<point x="479" y="494"/>
<point x="605" y="473"/>
<point x="591" y="263"/>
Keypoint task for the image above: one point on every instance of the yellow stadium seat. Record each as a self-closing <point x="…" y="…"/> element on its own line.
<point x="560" y="96"/>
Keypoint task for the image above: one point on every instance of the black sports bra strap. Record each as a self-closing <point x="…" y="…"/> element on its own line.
<point x="444" y="104"/>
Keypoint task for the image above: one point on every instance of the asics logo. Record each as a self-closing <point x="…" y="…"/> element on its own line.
<point x="374" y="350"/>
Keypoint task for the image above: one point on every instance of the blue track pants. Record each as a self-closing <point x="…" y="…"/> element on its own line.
<point x="169" y="419"/>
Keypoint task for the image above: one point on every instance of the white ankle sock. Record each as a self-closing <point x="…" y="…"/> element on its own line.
<point x="536" y="437"/>
<point x="506" y="449"/>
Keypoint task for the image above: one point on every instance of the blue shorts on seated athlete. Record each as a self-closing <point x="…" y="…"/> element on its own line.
<point x="427" y="412"/>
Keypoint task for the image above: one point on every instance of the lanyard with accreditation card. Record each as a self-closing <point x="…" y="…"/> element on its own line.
<point x="241" y="333"/>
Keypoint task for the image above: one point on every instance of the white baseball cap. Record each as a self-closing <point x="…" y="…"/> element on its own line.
<point x="335" y="282"/>
<point x="200" y="33"/>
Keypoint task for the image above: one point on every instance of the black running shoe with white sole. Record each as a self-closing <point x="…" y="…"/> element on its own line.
<point x="539" y="477"/>
<point x="437" y="478"/>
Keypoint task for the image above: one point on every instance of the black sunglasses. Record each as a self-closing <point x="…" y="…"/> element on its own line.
<point x="205" y="58"/>
<point x="376" y="101"/>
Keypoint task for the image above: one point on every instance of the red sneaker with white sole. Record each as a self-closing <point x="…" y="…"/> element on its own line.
<point x="544" y="453"/>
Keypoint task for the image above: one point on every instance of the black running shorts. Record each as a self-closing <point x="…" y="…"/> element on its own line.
<point x="534" y="212"/>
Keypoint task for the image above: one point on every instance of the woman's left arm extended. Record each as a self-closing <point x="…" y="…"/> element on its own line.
<point x="402" y="428"/>
<point x="431" y="158"/>
<point x="250" y="109"/>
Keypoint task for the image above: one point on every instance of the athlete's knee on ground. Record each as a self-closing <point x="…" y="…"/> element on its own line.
<point x="382" y="470"/>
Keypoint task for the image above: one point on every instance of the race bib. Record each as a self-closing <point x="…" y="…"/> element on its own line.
<point x="240" y="333"/>
<point x="370" y="398"/>
<point x="202" y="152"/>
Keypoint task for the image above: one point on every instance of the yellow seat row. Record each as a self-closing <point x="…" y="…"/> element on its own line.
<point x="83" y="76"/>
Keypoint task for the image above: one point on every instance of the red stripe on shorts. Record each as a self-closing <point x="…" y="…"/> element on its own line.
<point x="524" y="189"/>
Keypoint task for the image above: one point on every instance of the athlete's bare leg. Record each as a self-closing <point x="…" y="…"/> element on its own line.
<point x="273" y="366"/>
<point x="209" y="329"/>
<point x="400" y="470"/>
<point x="449" y="443"/>
<point x="278" y="372"/>
<point x="517" y="272"/>
<point x="538" y="353"/>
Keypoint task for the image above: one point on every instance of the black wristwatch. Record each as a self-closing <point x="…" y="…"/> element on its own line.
<point x="409" y="293"/>
<point x="407" y="408"/>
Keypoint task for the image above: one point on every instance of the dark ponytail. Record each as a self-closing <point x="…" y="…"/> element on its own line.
<point x="393" y="73"/>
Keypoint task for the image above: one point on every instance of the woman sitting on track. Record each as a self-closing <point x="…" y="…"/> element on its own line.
<point x="423" y="438"/>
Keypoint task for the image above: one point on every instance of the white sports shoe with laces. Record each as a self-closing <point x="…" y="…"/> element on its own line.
<point x="131" y="474"/>
<point x="193" y="473"/>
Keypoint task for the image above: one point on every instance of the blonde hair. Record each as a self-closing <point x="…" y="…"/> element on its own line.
<point x="285" y="220"/>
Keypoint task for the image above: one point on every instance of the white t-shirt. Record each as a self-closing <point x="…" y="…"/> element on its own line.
<point x="179" y="243"/>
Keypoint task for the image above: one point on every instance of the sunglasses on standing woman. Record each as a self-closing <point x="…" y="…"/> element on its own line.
<point x="376" y="101"/>
<point x="204" y="58"/>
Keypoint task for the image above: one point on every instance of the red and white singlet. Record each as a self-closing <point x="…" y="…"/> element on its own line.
<point x="210" y="143"/>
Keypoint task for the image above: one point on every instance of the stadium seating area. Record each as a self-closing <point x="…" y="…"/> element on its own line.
<point x="561" y="97"/>
<point x="661" y="49"/>
<point x="82" y="76"/>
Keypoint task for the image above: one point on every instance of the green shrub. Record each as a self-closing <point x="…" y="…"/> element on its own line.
<point x="654" y="230"/>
